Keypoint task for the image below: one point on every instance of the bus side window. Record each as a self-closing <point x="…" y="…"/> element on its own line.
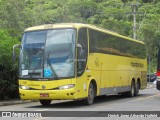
<point x="82" y="51"/>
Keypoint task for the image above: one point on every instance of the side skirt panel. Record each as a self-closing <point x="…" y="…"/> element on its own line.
<point x="114" y="90"/>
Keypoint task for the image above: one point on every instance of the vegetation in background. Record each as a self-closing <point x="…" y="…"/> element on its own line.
<point x="8" y="70"/>
<point x="115" y="15"/>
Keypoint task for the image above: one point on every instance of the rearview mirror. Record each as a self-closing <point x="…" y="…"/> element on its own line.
<point x="14" y="54"/>
<point x="80" y="47"/>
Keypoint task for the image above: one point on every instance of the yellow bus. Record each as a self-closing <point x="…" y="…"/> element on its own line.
<point x="74" y="61"/>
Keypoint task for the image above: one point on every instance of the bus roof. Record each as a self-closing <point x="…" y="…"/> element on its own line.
<point x="53" y="26"/>
<point x="78" y="25"/>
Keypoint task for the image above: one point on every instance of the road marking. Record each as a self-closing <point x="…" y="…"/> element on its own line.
<point x="142" y="98"/>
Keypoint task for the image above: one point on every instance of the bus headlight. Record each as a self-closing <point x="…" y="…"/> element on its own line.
<point x="24" y="87"/>
<point x="67" y="86"/>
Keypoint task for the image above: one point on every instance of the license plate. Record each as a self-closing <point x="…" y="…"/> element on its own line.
<point x="44" y="95"/>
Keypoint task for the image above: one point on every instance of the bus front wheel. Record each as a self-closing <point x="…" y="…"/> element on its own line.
<point x="133" y="89"/>
<point x="45" y="102"/>
<point x="91" y="94"/>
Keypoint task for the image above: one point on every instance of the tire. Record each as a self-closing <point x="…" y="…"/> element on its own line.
<point x="45" y="102"/>
<point x="132" y="92"/>
<point x="91" y="95"/>
<point x="137" y="87"/>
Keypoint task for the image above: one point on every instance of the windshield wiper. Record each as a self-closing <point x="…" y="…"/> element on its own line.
<point x="40" y="60"/>
<point x="50" y="65"/>
<point x="35" y="68"/>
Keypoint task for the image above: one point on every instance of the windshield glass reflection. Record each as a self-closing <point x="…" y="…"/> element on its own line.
<point x="48" y="54"/>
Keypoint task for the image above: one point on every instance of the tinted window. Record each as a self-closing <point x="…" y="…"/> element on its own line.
<point x="105" y="43"/>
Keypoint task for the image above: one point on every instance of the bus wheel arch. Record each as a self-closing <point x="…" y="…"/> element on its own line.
<point x="94" y="85"/>
<point x="92" y="92"/>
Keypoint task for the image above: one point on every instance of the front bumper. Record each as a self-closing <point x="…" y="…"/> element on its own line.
<point x="67" y="94"/>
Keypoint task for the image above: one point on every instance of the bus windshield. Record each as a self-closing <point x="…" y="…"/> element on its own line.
<point x="48" y="54"/>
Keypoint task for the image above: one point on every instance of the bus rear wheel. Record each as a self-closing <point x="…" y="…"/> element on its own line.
<point x="137" y="87"/>
<point x="45" y="102"/>
<point x="91" y="94"/>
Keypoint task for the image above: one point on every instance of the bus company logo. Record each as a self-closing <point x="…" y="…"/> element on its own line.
<point x="43" y="87"/>
<point x="137" y="65"/>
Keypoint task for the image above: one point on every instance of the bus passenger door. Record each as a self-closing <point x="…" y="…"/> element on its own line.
<point x="82" y="55"/>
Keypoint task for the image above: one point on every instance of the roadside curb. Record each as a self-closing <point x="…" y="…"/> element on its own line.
<point x="13" y="102"/>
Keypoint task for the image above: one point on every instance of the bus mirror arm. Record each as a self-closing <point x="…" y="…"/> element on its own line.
<point x="14" y="54"/>
<point x="79" y="46"/>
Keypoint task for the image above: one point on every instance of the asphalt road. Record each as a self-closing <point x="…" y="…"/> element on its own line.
<point x="148" y="100"/>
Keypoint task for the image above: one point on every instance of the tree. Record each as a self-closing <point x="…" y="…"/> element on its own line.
<point x="8" y="70"/>
<point x="11" y="14"/>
